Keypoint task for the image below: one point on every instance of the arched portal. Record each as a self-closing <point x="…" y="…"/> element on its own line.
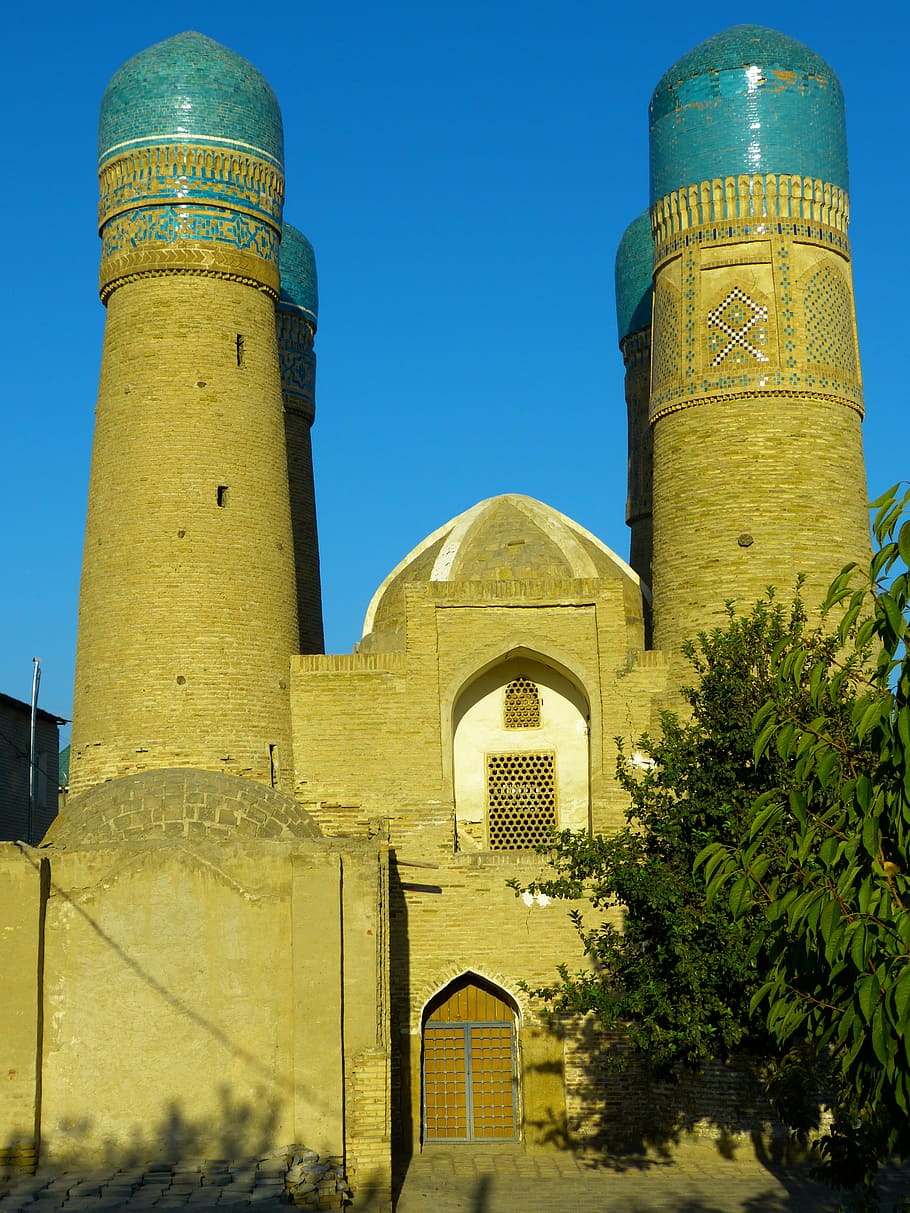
<point x="521" y="766"/>
<point x="470" y="1086"/>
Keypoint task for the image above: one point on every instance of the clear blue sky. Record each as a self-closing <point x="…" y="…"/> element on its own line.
<point x="465" y="172"/>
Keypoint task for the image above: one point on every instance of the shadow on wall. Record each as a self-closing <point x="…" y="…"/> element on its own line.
<point x="242" y="1128"/>
<point x="622" y="1116"/>
<point x="401" y="1077"/>
<point x="243" y="1124"/>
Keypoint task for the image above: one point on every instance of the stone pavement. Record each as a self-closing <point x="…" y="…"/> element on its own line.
<point x="506" y="1179"/>
<point x="205" y="1185"/>
<point x="464" y="1179"/>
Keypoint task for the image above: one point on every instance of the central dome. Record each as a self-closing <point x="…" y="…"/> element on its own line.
<point x="507" y="538"/>
<point x="190" y="89"/>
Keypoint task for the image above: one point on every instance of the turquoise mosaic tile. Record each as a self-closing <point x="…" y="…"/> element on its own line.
<point x="748" y="100"/>
<point x="634" y="283"/>
<point x="297" y="263"/>
<point x="162" y="225"/>
<point x="190" y="89"/>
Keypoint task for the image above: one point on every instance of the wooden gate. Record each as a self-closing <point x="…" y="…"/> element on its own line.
<point x="469" y="1085"/>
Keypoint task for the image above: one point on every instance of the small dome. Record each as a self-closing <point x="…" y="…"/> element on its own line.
<point x="299" y="290"/>
<point x="507" y="538"/>
<point x="748" y="100"/>
<point x="634" y="277"/>
<point x="179" y="802"/>
<point x="190" y="89"/>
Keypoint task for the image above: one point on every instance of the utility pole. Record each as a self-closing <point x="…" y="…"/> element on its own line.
<point x="32" y="756"/>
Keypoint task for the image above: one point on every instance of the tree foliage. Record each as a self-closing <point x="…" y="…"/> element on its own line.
<point x="678" y="974"/>
<point x="821" y="876"/>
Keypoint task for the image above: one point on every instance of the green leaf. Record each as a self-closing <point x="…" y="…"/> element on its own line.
<point x="868" y="991"/>
<point x="863" y="792"/>
<point x="902" y="998"/>
<point x="872" y="836"/>
<point x="882" y="1041"/>
<point x="858" y="946"/>
<point x="903" y="542"/>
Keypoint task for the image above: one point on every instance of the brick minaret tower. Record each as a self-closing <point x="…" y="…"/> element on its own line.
<point x="298" y="307"/>
<point x="634" y="268"/>
<point x="188" y="608"/>
<point x="756" y="395"/>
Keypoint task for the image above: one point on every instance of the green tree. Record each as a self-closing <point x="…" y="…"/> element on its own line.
<point x="679" y="975"/>
<point x="821" y="876"/>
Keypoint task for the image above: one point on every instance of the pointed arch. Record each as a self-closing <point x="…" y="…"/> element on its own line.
<point x="518" y="774"/>
<point x="469" y="1063"/>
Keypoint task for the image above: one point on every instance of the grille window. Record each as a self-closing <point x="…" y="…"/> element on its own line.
<point x="521" y="799"/>
<point x="521" y="706"/>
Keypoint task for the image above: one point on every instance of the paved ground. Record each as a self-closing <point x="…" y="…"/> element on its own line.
<point x="508" y="1180"/>
<point x="503" y="1179"/>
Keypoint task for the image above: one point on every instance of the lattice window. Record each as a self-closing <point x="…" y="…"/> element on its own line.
<point x="521" y="705"/>
<point x="521" y="799"/>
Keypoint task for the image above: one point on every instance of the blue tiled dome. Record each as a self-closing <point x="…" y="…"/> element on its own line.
<point x="192" y="89"/>
<point x="634" y="261"/>
<point x="297" y="263"/>
<point x="748" y="100"/>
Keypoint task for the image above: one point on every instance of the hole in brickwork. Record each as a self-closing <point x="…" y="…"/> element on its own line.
<point x="222" y="495"/>
<point x="239" y="345"/>
<point x="521" y="705"/>
<point x="521" y="799"/>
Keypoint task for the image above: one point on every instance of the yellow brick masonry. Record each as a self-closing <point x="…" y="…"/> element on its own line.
<point x="373" y="735"/>
<point x="719" y="475"/>
<point x="758" y="462"/>
<point x="188" y="608"/>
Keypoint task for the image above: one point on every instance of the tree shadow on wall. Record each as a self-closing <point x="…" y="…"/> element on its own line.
<point x="239" y="1124"/>
<point x="623" y="1115"/>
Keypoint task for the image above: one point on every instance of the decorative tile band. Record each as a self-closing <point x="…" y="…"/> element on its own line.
<point x="636" y="348"/>
<point x="773" y="318"/>
<point x="178" y="173"/>
<point x="756" y="394"/>
<point x="737" y="207"/>
<point x="211" y="261"/>
<point x="298" y="361"/>
<point x="166" y="225"/>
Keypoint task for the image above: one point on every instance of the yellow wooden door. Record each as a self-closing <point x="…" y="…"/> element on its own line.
<point x="469" y="1068"/>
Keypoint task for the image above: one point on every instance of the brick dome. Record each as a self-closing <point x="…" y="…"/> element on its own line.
<point x="506" y="538"/>
<point x="179" y="802"/>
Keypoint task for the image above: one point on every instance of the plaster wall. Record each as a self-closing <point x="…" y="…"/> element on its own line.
<point x="216" y="999"/>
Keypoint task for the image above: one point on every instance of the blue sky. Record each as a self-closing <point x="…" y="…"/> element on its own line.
<point x="465" y="173"/>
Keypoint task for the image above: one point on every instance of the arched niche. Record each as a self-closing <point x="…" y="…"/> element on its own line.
<point x="469" y="1064"/>
<point x="520" y="770"/>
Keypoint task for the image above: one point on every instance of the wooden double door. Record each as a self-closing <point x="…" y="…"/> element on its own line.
<point x="469" y="1070"/>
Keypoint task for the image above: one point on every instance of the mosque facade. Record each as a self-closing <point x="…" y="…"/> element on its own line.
<point x="275" y="908"/>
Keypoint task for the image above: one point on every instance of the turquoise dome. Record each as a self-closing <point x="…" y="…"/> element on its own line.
<point x="297" y="262"/>
<point x="634" y="283"/>
<point x="190" y="89"/>
<point x="748" y="100"/>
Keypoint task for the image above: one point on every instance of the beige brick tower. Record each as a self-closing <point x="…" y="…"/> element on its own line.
<point x="634" y="291"/>
<point x="756" y="395"/>
<point x="298" y="307"/>
<point x="188" y="606"/>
